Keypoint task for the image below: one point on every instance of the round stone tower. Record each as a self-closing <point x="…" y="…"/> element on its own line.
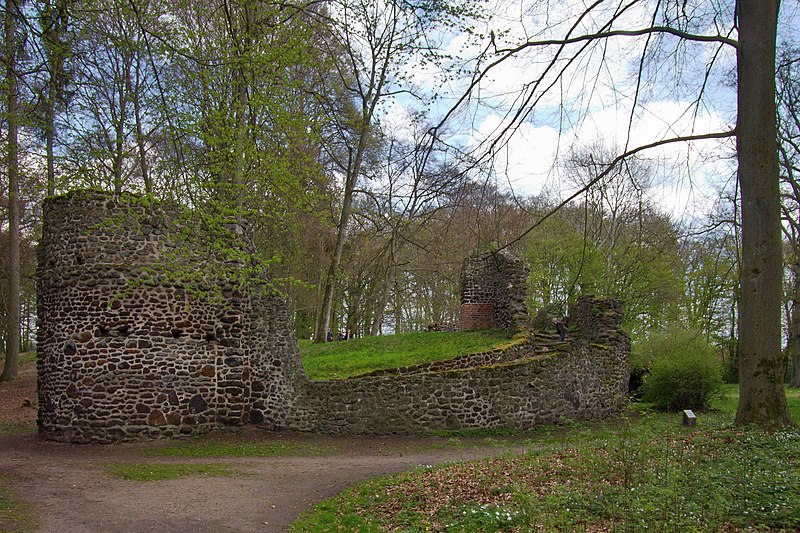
<point x="126" y="348"/>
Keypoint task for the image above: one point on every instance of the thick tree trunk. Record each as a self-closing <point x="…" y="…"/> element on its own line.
<point x="762" y="400"/>
<point x="12" y="110"/>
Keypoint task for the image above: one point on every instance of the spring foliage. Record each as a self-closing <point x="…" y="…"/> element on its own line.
<point x="683" y="370"/>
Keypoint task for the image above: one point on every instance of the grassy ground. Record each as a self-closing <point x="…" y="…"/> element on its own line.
<point x="228" y="446"/>
<point x="14" y="515"/>
<point x="161" y="472"/>
<point x="645" y="472"/>
<point x="341" y="359"/>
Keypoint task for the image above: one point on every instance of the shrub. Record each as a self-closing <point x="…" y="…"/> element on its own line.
<point x="684" y="372"/>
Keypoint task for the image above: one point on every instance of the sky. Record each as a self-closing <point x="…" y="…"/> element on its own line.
<point x="591" y="99"/>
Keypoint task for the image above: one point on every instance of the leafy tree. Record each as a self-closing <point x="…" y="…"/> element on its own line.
<point x="683" y="370"/>
<point x="710" y="278"/>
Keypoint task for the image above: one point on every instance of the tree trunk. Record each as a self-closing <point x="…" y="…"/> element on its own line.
<point x="793" y="345"/>
<point x="49" y="133"/>
<point x="52" y="89"/>
<point x="140" y="140"/>
<point x="330" y="280"/>
<point x="119" y="129"/>
<point x="52" y="34"/>
<point x="354" y="169"/>
<point x="388" y="283"/>
<point x="762" y="400"/>
<point x="793" y="341"/>
<point x="12" y="121"/>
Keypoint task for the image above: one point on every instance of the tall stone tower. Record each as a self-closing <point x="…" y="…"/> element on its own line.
<point x="145" y="330"/>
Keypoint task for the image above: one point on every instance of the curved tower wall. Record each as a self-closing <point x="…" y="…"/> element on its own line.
<point x="125" y="350"/>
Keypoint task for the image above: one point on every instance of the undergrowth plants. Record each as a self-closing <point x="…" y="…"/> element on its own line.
<point x="643" y="472"/>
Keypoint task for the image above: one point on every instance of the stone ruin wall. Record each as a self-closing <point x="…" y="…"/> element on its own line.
<point x="126" y="353"/>
<point x="493" y="290"/>
<point x="518" y="387"/>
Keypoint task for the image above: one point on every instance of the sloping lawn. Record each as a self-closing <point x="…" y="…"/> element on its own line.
<point x="341" y="359"/>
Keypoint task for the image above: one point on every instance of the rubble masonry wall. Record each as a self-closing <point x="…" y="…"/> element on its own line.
<point x="133" y="345"/>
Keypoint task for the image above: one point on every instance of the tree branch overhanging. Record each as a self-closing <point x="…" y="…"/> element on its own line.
<point x="611" y="166"/>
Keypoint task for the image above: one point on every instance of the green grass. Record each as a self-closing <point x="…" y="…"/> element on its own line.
<point x="14" y="515"/>
<point x="27" y="358"/>
<point x="793" y="399"/>
<point x="342" y="359"/>
<point x="161" y="472"/>
<point x="17" y="427"/>
<point x="730" y="397"/>
<point x="215" y="447"/>
<point x="476" y="432"/>
<point x="645" y="471"/>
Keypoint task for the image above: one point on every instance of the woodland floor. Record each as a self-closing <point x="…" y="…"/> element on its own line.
<point x="67" y="487"/>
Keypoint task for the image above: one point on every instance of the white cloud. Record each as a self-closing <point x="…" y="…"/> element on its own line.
<point x="684" y="175"/>
<point x="587" y="95"/>
<point x="527" y="162"/>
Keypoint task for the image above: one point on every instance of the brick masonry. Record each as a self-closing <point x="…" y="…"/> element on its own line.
<point x="145" y="333"/>
<point x="493" y="289"/>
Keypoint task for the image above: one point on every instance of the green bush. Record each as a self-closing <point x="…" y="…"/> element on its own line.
<point x="684" y="372"/>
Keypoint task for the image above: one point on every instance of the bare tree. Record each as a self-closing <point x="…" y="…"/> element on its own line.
<point x="751" y="32"/>
<point x="789" y="135"/>
<point x="370" y="43"/>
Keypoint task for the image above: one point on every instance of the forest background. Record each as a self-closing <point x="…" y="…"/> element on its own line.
<point x="353" y="137"/>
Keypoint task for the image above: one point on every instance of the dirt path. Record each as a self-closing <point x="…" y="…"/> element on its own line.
<point x="68" y="489"/>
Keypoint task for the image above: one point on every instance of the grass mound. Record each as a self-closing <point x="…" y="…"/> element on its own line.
<point x="342" y="359"/>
